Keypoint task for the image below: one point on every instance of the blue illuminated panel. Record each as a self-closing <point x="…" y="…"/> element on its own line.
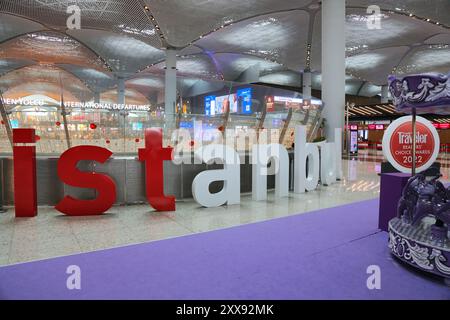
<point x="245" y="98"/>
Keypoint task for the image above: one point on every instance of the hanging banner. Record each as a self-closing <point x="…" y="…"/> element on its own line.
<point x="397" y="144"/>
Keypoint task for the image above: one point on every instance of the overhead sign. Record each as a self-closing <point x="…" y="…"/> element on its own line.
<point x="23" y="102"/>
<point x="107" y="106"/>
<point x="397" y="144"/>
<point x="75" y="104"/>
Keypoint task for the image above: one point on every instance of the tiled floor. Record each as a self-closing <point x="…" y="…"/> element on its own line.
<point x="52" y="234"/>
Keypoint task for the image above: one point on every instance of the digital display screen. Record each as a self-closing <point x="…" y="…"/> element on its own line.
<point x="210" y="105"/>
<point x="222" y="103"/>
<point x="353" y="141"/>
<point x="186" y="124"/>
<point x="14" y="124"/>
<point x="245" y="98"/>
<point x="137" y="126"/>
<point x="240" y="102"/>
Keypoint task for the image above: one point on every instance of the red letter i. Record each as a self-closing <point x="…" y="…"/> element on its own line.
<point x="24" y="153"/>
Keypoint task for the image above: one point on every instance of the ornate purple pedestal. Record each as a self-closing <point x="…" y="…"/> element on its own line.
<point x="391" y="187"/>
<point x="418" y="246"/>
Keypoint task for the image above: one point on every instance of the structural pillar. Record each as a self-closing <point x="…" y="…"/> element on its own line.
<point x="171" y="87"/>
<point x="333" y="65"/>
<point x="306" y="84"/>
<point x="384" y="94"/>
<point x="120" y="90"/>
<point x="96" y="97"/>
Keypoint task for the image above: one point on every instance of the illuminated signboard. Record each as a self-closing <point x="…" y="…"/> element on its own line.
<point x="137" y="126"/>
<point x="375" y="126"/>
<point x="81" y="105"/>
<point x="287" y="99"/>
<point x="354" y="127"/>
<point x="215" y="105"/>
<point x="444" y="125"/>
<point x="14" y="124"/>
<point x="245" y="97"/>
<point x="107" y="106"/>
<point x="23" y="102"/>
<point x="210" y="105"/>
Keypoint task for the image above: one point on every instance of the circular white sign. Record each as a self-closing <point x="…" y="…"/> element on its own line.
<point x="397" y="144"/>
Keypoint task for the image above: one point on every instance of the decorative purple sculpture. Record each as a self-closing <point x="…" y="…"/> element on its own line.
<point x="428" y="93"/>
<point x="423" y="243"/>
<point x="422" y="198"/>
<point x="419" y="235"/>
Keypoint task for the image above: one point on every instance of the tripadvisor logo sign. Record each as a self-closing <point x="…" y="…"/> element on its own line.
<point x="324" y="162"/>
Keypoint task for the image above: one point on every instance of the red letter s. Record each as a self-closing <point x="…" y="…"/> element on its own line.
<point x="69" y="174"/>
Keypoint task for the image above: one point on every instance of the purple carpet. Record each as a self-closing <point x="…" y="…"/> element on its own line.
<point x="318" y="255"/>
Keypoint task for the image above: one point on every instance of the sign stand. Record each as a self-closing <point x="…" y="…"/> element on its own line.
<point x="413" y="167"/>
<point x="422" y="243"/>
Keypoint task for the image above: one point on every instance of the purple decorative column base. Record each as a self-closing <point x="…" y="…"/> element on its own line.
<point x="391" y="187"/>
<point x="417" y="246"/>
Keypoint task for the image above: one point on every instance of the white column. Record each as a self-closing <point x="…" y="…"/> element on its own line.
<point x="384" y="94"/>
<point x="333" y="64"/>
<point x="171" y="86"/>
<point x="121" y="90"/>
<point x="306" y="84"/>
<point x="96" y="97"/>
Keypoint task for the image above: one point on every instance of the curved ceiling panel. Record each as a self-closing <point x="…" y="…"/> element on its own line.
<point x="369" y="90"/>
<point x="198" y="17"/>
<point x="12" y="26"/>
<point x="131" y="97"/>
<point x="425" y="59"/>
<point x="154" y="82"/>
<point x="33" y="76"/>
<point x="120" y="16"/>
<point x="50" y="47"/>
<point x="8" y="65"/>
<point x="233" y="64"/>
<point x="147" y="84"/>
<point x="352" y="86"/>
<point x="51" y="90"/>
<point x="96" y="80"/>
<point x="123" y="53"/>
<point x="269" y="36"/>
<point x="201" y="66"/>
<point x="394" y="29"/>
<point x="375" y="65"/>
<point x="287" y="78"/>
<point x="438" y="10"/>
<point x="442" y="38"/>
<point x="190" y="50"/>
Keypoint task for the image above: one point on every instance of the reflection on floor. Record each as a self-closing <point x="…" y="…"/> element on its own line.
<point x="52" y="234"/>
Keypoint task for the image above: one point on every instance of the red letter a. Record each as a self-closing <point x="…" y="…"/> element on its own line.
<point x="154" y="155"/>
